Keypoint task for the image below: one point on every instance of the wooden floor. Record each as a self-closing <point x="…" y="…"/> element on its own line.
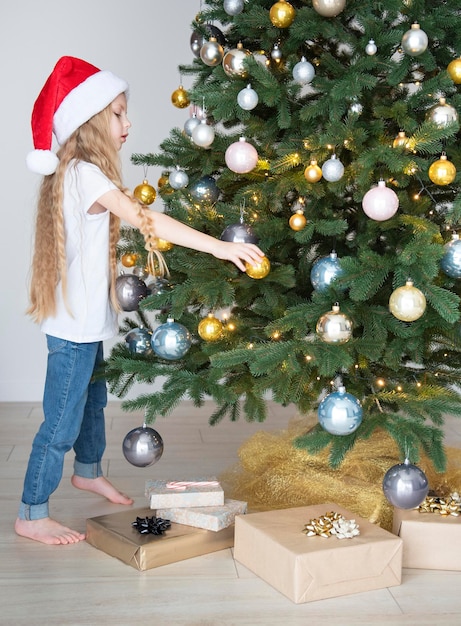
<point x="80" y="585"/>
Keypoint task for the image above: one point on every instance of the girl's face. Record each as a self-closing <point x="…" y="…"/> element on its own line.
<point x="119" y="122"/>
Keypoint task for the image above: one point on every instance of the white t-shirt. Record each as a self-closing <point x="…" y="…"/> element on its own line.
<point x="87" y="252"/>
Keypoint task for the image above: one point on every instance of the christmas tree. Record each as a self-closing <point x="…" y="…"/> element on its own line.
<point x="326" y="130"/>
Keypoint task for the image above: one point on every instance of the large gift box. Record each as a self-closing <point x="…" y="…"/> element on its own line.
<point x="115" y="535"/>
<point x="165" y="494"/>
<point x="430" y="540"/>
<point x="273" y="545"/>
<point x="213" y="518"/>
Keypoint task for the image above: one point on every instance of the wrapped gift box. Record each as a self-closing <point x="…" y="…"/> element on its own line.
<point x="213" y="518"/>
<point x="430" y="540"/>
<point x="273" y="546"/>
<point x="166" y="494"/>
<point x="115" y="535"/>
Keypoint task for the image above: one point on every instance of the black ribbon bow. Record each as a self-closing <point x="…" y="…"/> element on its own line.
<point x="151" y="525"/>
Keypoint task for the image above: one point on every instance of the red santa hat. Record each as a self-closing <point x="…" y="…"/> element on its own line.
<point x="73" y="93"/>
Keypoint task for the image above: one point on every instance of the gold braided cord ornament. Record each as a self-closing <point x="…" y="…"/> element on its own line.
<point x="273" y="474"/>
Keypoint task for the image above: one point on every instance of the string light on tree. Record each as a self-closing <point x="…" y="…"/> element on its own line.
<point x="282" y="14"/>
<point x="329" y="8"/>
<point x="407" y="303"/>
<point x="380" y="203"/>
<point x="334" y="326"/>
<point x="415" y="41"/>
<point x="442" y="172"/>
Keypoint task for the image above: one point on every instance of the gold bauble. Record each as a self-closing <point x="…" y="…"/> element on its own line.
<point x="407" y="303"/>
<point x="401" y="141"/>
<point x="145" y="193"/>
<point x="179" y="98"/>
<point x="282" y="14"/>
<point x="162" y="245"/>
<point x="210" y="328"/>
<point x="129" y="259"/>
<point x="260" y="270"/>
<point x="163" y="185"/>
<point x="454" y="70"/>
<point x="297" y="221"/>
<point x="313" y="173"/>
<point x="442" y="171"/>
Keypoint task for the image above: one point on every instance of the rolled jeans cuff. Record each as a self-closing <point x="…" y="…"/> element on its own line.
<point x="33" y="511"/>
<point x="87" y="470"/>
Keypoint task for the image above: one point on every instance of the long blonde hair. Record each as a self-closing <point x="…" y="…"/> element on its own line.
<point x="91" y="143"/>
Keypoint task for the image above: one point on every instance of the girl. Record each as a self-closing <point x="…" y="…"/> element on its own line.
<point x="72" y="296"/>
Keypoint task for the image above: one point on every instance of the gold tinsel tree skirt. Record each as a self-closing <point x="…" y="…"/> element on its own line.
<point x="273" y="474"/>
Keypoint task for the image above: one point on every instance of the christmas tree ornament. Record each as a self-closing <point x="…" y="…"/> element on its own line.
<point x="130" y="290"/>
<point x="380" y="203"/>
<point x="401" y="141"/>
<point x="163" y="245"/>
<point x="405" y="485"/>
<point x="203" y="134"/>
<point x="247" y="98"/>
<point x="450" y="263"/>
<point x="442" y="171"/>
<point x="129" y="260"/>
<point x="334" y="326"/>
<point x="197" y="39"/>
<point x="340" y="413"/>
<point x="356" y="107"/>
<point x="178" y="178"/>
<point x="239" y="233"/>
<point x="329" y="8"/>
<point x="142" y="446"/>
<point x="171" y="340"/>
<point x="210" y="328"/>
<point x="298" y="220"/>
<point x="234" y="62"/>
<point x="415" y="41"/>
<point x="205" y="190"/>
<point x="259" y="270"/>
<point x="145" y="193"/>
<point x="303" y="72"/>
<point x="180" y="98"/>
<point x="407" y="303"/>
<point x="276" y="53"/>
<point x="212" y="52"/>
<point x="241" y="157"/>
<point x="141" y="271"/>
<point x="163" y="185"/>
<point x="442" y="114"/>
<point x="233" y="7"/>
<point x="282" y="14"/>
<point x="325" y="270"/>
<point x="333" y="169"/>
<point x="454" y="70"/>
<point x="138" y="340"/>
<point x="371" y="48"/>
<point x="158" y="286"/>
<point x="313" y="172"/>
<point x="190" y="124"/>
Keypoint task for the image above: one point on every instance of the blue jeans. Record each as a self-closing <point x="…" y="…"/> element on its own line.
<point x="73" y="404"/>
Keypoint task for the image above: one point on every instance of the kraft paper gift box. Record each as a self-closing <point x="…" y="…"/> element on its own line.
<point x="273" y="546"/>
<point x="166" y="494"/>
<point x="213" y="518"/>
<point x="430" y="540"/>
<point x="115" y="535"/>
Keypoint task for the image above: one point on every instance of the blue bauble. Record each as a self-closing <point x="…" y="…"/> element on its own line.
<point x="171" y="340"/>
<point x="450" y="263"/>
<point x="325" y="270"/>
<point x="405" y="485"/>
<point x="205" y="190"/>
<point x="138" y="341"/>
<point x="340" y="413"/>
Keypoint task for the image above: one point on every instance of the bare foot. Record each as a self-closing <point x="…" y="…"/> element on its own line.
<point x="47" y="530"/>
<point x="102" y="487"/>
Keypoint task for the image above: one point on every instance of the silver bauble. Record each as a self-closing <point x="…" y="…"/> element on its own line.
<point x="142" y="446"/>
<point x="371" y="48"/>
<point x="334" y="327"/>
<point x="450" y="263"/>
<point x="333" y="169"/>
<point x="414" y="41"/>
<point x="130" y="290"/>
<point x="212" y="52"/>
<point x="239" y="233"/>
<point x="190" y="124"/>
<point x="405" y="485"/>
<point x="247" y="98"/>
<point x="205" y="190"/>
<point x="197" y="39"/>
<point x="178" y="179"/>
<point x="233" y="7"/>
<point x="303" y="72"/>
<point x="329" y="8"/>
<point x="442" y="114"/>
<point x="203" y="135"/>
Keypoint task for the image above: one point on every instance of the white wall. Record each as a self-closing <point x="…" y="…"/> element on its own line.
<point x="143" y="41"/>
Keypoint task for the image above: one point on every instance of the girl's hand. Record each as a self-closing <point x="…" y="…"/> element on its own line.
<point x="238" y="253"/>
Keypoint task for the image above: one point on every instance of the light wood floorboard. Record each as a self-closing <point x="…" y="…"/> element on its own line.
<point x="81" y="586"/>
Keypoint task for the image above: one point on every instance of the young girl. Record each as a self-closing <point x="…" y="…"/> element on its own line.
<point x="72" y="296"/>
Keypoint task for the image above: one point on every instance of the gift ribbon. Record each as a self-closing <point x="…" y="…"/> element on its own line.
<point x="151" y="525"/>
<point x="181" y="485"/>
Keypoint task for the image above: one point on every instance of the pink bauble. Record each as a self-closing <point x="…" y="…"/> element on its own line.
<point x="380" y="203"/>
<point x="241" y="157"/>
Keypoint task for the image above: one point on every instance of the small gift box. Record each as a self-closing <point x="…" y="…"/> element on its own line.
<point x="213" y="518"/>
<point x="300" y="553"/>
<point x="164" y="494"/>
<point x="115" y="535"/>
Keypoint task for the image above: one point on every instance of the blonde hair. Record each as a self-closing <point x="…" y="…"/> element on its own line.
<point x="91" y="143"/>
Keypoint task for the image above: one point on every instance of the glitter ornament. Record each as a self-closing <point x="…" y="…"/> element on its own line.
<point x="334" y="326"/>
<point x="212" y="52"/>
<point x="259" y="270"/>
<point x="371" y="48"/>
<point x="333" y="169"/>
<point x="205" y="190"/>
<point x="138" y="340"/>
<point x="203" y="134"/>
<point x="324" y="271"/>
<point x="145" y="193"/>
<point x="179" y="98"/>
<point x="241" y="157"/>
<point x="329" y="8"/>
<point x="130" y="290"/>
<point x="442" y="114"/>
<point x="297" y="221"/>
<point x="233" y="7"/>
<point x="313" y="172"/>
<point x="340" y="413"/>
<point x="407" y="303"/>
<point x="450" y="263"/>
<point x="233" y="62"/>
<point x="415" y="41"/>
<point x="282" y="14"/>
<point x="380" y="203"/>
<point x="178" y="179"/>
<point x="171" y="340"/>
<point x="454" y="71"/>
<point x="142" y="446"/>
<point x="405" y="485"/>
<point x="442" y="171"/>
<point x="303" y="72"/>
<point x="210" y="328"/>
<point x="247" y="98"/>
